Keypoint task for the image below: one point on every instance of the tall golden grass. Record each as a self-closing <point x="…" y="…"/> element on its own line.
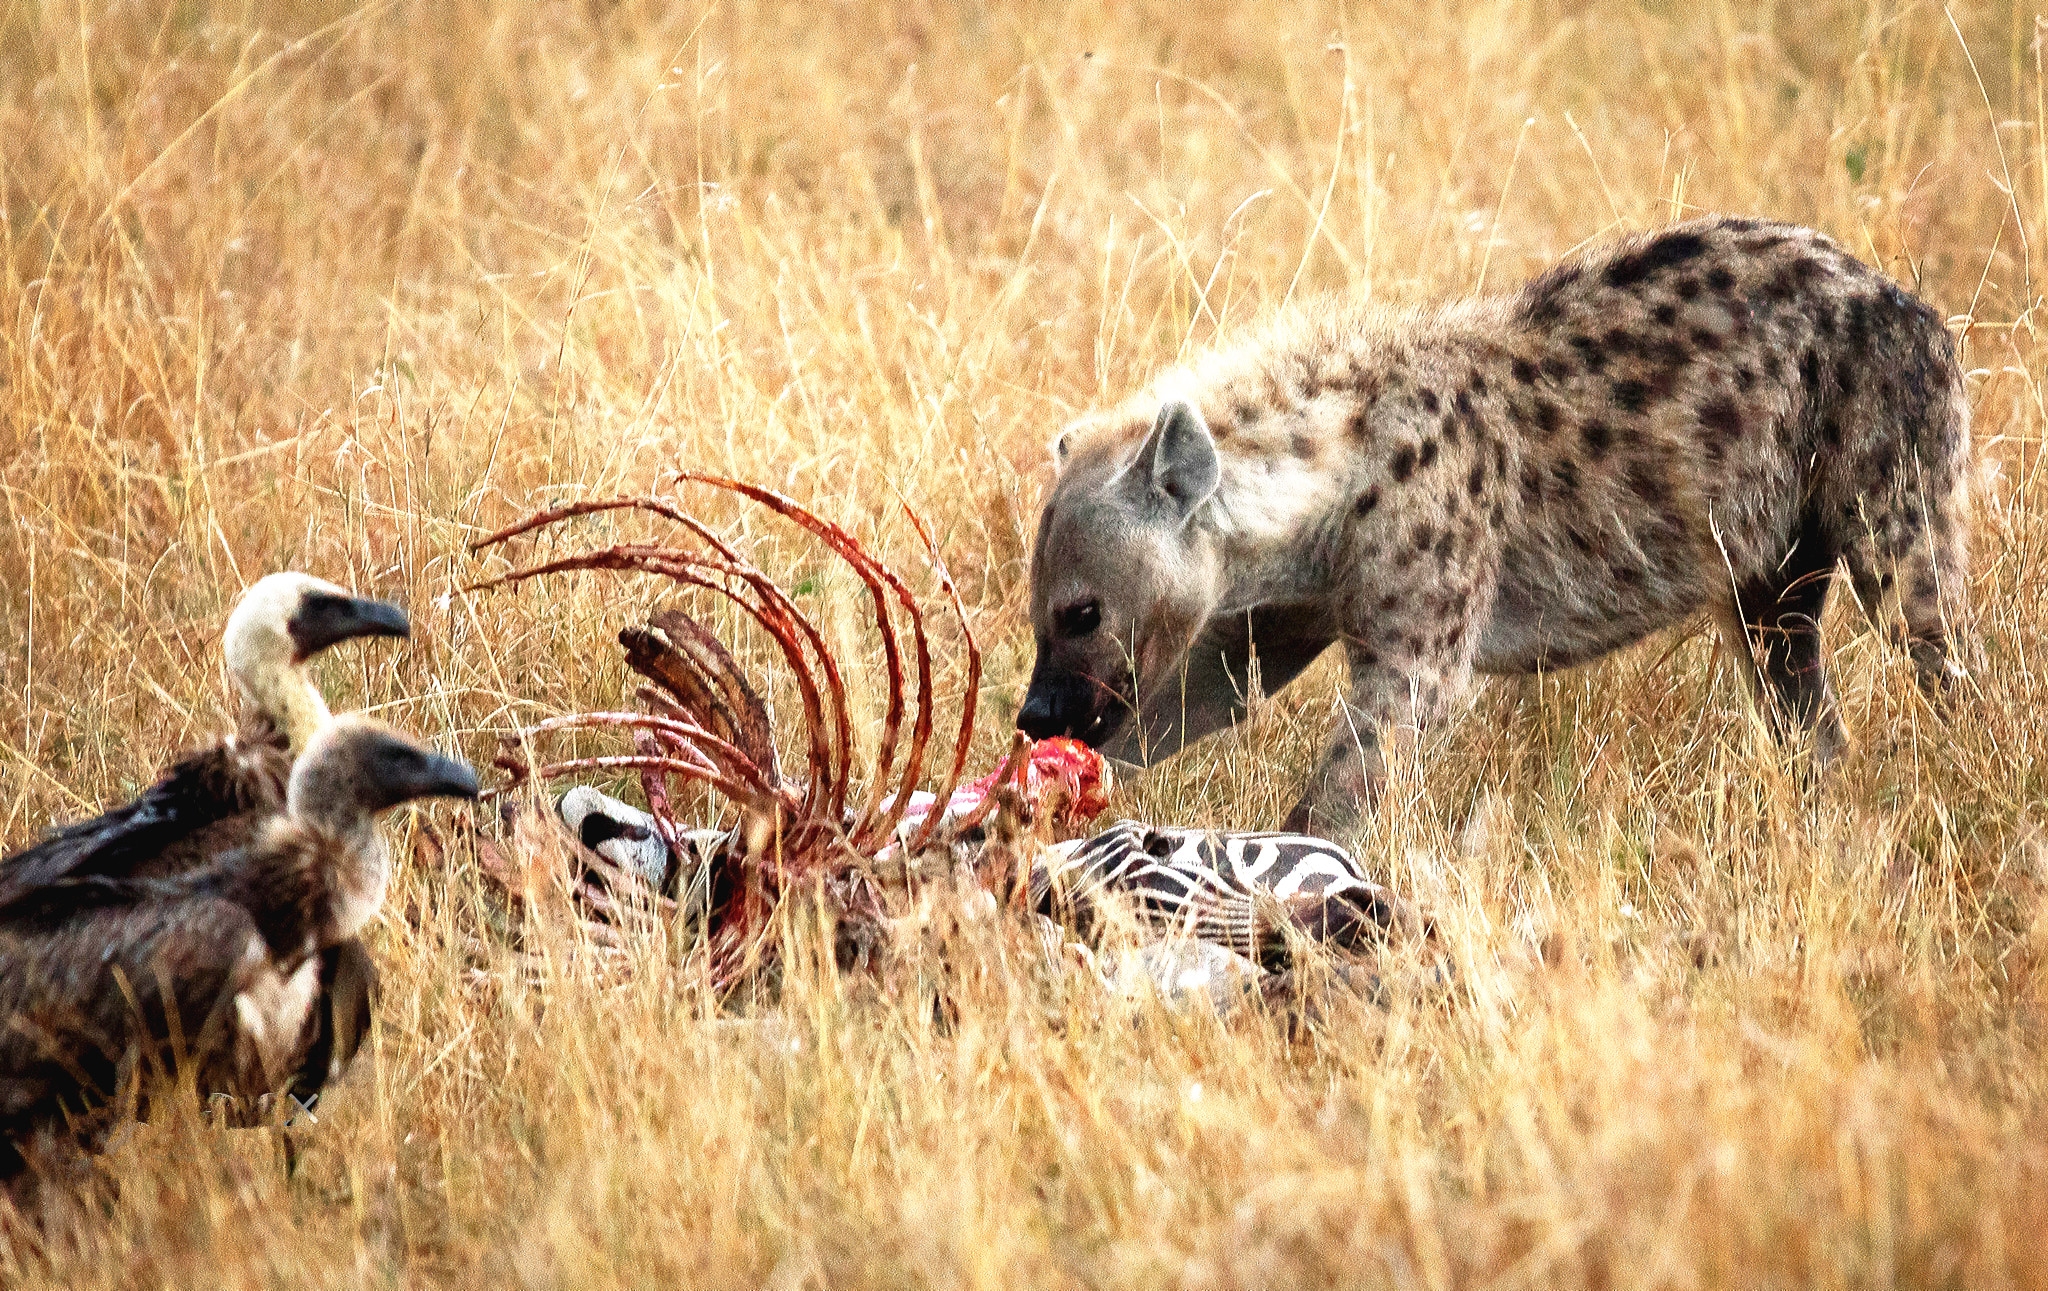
<point x="341" y="288"/>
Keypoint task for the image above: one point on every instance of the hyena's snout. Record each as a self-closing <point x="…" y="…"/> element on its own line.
<point x="1064" y="701"/>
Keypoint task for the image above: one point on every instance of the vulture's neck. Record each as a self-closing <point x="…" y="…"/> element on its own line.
<point x="352" y="852"/>
<point x="289" y="701"/>
<point x="360" y="880"/>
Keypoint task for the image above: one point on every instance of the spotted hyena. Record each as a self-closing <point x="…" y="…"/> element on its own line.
<point x="1707" y="418"/>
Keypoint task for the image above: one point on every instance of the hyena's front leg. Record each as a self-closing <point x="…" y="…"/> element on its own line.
<point x="1348" y="780"/>
<point x="1385" y="696"/>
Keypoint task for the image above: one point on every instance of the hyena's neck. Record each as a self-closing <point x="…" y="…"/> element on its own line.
<point x="1268" y="556"/>
<point x="1281" y="418"/>
<point x="1292" y="409"/>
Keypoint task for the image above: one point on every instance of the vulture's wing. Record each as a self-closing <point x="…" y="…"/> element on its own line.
<point x="204" y="804"/>
<point x="115" y="992"/>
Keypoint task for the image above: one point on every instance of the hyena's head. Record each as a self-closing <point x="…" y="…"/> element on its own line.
<point x="1122" y="577"/>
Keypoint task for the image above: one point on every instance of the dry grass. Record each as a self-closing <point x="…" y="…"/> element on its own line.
<point x="338" y="288"/>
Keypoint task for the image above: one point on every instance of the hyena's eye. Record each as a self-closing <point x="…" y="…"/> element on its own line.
<point x="1078" y="620"/>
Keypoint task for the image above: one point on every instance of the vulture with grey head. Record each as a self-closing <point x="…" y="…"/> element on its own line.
<point x="108" y="984"/>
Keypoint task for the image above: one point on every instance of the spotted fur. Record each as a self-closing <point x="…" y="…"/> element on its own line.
<point x="1712" y="418"/>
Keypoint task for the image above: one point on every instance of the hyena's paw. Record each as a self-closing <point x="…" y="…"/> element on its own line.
<point x="1936" y="667"/>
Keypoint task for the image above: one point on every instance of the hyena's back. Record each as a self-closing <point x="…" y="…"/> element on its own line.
<point x="1724" y="407"/>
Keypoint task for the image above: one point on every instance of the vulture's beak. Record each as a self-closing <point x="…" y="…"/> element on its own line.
<point x="324" y="619"/>
<point x="438" y="777"/>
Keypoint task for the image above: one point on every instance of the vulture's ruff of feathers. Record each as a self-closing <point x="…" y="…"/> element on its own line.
<point x="107" y="983"/>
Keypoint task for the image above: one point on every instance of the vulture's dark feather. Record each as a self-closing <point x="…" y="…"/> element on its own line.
<point x="108" y="982"/>
<point x="90" y="1008"/>
<point x="349" y="990"/>
<point x="69" y="946"/>
<point x="210" y="801"/>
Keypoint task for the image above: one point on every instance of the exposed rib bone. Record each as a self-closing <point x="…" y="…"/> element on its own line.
<point x="707" y="724"/>
<point x="970" y="695"/>
<point x="867" y="829"/>
<point x="783" y="625"/>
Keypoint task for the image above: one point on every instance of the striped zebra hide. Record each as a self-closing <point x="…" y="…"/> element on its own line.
<point x="1238" y="890"/>
<point x="1241" y="891"/>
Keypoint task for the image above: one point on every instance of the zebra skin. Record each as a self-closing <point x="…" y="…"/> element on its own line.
<point x="1241" y="891"/>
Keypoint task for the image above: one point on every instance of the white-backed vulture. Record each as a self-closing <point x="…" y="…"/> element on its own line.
<point x="109" y="984"/>
<point x="211" y="799"/>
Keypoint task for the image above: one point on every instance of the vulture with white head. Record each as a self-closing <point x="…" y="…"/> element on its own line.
<point x="213" y="798"/>
<point x="110" y="983"/>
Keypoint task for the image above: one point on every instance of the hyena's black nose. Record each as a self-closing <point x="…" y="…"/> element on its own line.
<point x="1040" y="717"/>
<point x="1059" y="702"/>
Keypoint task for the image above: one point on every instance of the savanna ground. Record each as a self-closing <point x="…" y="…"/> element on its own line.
<point x="341" y="288"/>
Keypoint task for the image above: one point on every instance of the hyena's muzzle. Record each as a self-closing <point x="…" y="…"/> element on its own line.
<point x="1064" y="700"/>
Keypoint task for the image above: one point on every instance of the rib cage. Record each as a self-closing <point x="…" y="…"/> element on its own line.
<point x="1251" y="892"/>
<point x="706" y="724"/>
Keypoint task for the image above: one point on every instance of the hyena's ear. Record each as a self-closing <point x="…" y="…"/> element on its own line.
<point x="1061" y="445"/>
<point x="1179" y="457"/>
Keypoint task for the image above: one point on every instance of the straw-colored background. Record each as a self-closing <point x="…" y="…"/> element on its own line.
<point x="339" y="288"/>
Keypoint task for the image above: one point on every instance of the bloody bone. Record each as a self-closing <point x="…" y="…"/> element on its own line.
<point x="706" y="723"/>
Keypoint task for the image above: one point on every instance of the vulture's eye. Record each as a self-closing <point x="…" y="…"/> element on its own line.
<point x="1079" y="619"/>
